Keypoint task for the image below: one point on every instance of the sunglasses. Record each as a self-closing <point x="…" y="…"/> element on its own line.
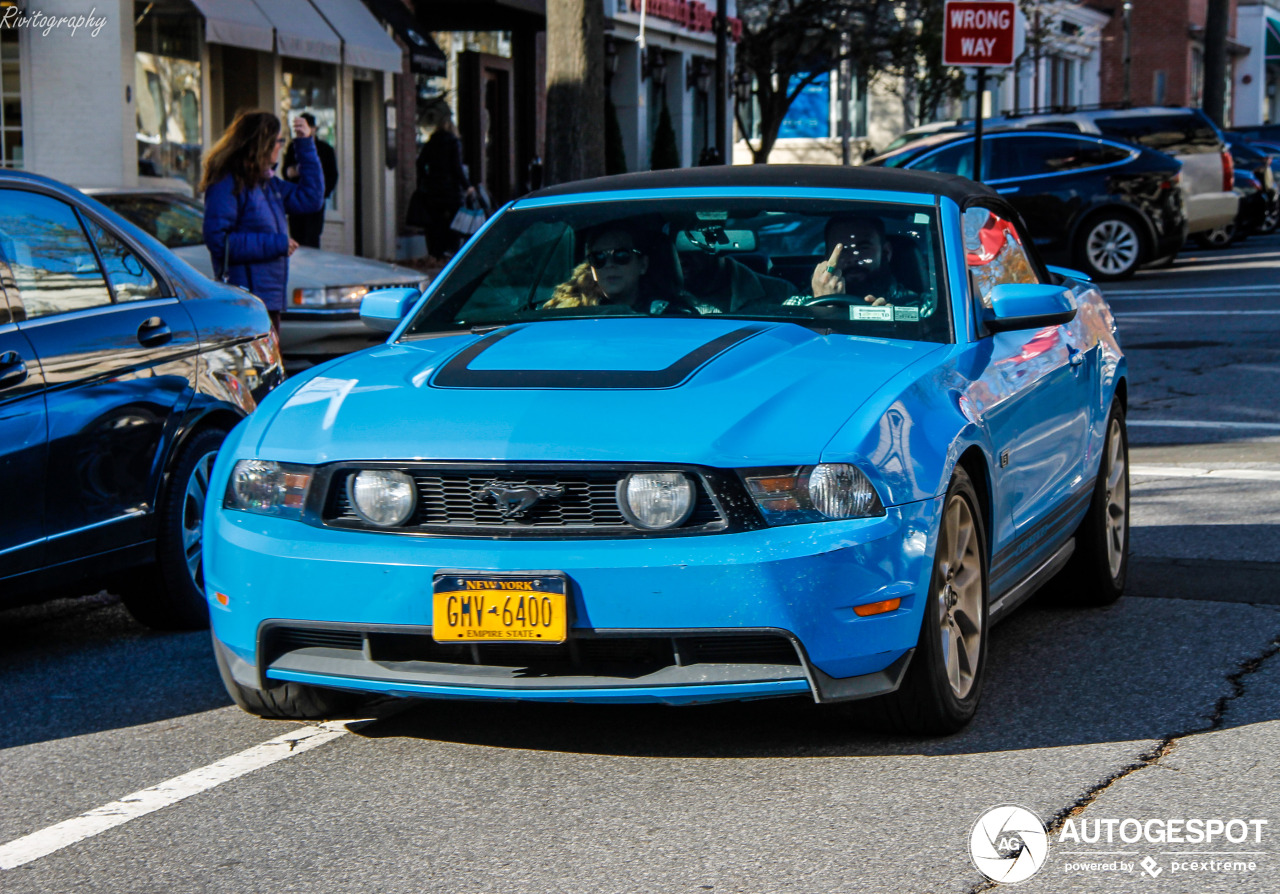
<point x="620" y="257"/>
<point x="280" y="141"/>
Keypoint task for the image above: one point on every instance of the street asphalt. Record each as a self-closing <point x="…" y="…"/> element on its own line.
<point x="1164" y="706"/>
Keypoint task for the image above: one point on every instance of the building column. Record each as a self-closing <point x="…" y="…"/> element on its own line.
<point x="681" y="106"/>
<point x="628" y="100"/>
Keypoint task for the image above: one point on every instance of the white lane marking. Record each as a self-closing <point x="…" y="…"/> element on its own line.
<point x="1196" y="423"/>
<point x="1155" y="470"/>
<point x="1206" y="290"/>
<point x="54" y="838"/>
<point x="1207" y="312"/>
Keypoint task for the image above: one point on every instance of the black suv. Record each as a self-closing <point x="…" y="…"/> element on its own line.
<point x="121" y="372"/>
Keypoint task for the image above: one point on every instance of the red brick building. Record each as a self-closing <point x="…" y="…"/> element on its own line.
<point x="1166" y="51"/>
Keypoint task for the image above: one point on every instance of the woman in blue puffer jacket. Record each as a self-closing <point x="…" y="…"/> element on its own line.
<point x="246" y="206"/>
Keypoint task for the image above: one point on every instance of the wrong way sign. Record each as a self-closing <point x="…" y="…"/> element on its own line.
<point x="978" y="33"/>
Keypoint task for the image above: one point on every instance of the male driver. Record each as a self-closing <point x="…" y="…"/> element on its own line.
<point x="858" y="263"/>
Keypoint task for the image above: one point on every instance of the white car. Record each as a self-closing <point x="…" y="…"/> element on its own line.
<point x="322" y="305"/>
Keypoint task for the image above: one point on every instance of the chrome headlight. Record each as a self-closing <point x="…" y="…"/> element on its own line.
<point x="656" y="500"/>
<point x="795" y="495"/>
<point x="330" y="296"/>
<point x="268" y="488"/>
<point x="382" y="497"/>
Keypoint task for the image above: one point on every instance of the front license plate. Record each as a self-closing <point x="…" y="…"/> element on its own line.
<point x="525" y="607"/>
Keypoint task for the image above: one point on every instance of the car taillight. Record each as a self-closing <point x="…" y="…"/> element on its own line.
<point x="1173" y="182"/>
<point x="1228" y="172"/>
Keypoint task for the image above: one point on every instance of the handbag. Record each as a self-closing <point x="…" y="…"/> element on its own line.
<point x="225" y="278"/>
<point x="468" y="219"/>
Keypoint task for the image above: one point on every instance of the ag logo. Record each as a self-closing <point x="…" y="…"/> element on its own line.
<point x="1008" y="844"/>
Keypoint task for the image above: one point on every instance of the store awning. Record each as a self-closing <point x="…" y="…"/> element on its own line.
<point x="1273" y="40"/>
<point x="364" y="41"/>
<point x="237" y="23"/>
<point x="301" y="31"/>
<point x="425" y="55"/>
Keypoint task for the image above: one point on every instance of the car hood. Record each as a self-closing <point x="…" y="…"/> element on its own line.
<point x="706" y="391"/>
<point x="311" y="268"/>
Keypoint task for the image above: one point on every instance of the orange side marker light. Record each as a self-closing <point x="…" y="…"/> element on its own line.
<point x="876" y="608"/>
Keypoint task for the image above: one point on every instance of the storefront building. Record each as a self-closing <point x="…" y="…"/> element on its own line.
<point x="1257" y="74"/>
<point x="140" y="98"/>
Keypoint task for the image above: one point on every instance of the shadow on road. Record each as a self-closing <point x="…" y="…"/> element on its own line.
<point x="78" y="666"/>
<point x="1141" y="669"/>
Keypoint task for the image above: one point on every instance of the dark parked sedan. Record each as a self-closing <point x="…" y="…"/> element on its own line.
<point x="1104" y="206"/>
<point x="121" y="372"/>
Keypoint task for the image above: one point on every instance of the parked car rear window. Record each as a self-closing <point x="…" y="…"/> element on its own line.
<point x="744" y="258"/>
<point x="1030" y="156"/>
<point x="175" y="221"/>
<point x="1184" y="134"/>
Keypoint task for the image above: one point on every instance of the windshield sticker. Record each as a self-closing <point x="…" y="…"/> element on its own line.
<point x="906" y="314"/>
<point x="921" y="218"/>
<point x="881" y="314"/>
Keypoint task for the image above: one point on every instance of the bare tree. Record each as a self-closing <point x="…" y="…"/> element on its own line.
<point x="789" y="44"/>
<point x="575" y="90"/>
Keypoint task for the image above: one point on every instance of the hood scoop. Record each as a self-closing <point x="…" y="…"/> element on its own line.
<point x="459" y="371"/>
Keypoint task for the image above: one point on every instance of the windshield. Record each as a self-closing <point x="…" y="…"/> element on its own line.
<point x="860" y="268"/>
<point x="175" y="221"/>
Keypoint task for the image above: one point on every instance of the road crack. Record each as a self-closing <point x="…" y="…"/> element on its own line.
<point x="1153" y="756"/>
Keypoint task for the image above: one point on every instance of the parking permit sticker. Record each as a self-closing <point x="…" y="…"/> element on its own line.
<point x="881" y="314"/>
<point x="921" y="218"/>
<point x="906" y="314"/>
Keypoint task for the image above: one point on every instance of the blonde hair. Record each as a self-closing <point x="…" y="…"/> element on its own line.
<point x="244" y="151"/>
<point x="580" y="290"/>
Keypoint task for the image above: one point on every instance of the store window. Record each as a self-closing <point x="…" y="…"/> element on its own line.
<point x="311" y="87"/>
<point x="167" y="87"/>
<point x="10" y="100"/>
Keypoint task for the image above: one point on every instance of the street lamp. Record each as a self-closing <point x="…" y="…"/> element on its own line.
<point x="742" y="84"/>
<point x="658" y="67"/>
<point x="697" y="74"/>
<point x="610" y="57"/>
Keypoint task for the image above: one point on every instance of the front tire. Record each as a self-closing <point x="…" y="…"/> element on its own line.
<point x="943" y="684"/>
<point x="1098" y="568"/>
<point x="1109" y="248"/>
<point x="170" y="595"/>
<point x="287" y="701"/>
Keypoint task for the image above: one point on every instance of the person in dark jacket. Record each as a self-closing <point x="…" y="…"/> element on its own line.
<point x="442" y="184"/>
<point x="306" y="228"/>
<point x="245" y="205"/>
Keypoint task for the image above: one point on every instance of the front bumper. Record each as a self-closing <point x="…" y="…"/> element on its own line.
<point x="325" y="332"/>
<point x="796" y="584"/>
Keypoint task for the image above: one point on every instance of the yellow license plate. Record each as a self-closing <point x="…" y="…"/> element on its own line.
<point x="525" y="607"/>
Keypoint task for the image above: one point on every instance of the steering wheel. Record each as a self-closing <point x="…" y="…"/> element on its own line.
<point x="836" y="301"/>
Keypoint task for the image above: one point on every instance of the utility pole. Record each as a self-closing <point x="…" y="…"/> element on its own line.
<point x="575" y="90"/>
<point x="1128" y="56"/>
<point x="1216" y="22"/>
<point x="722" y="81"/>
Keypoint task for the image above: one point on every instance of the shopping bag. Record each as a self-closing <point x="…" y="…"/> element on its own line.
<point x="468" y="219"/>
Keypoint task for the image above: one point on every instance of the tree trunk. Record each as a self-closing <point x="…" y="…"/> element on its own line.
<point x="1215" y="60"/>
<point x="575" y="90"/>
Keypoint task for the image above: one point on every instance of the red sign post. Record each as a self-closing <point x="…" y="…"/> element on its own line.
<point x="978" y="34"/>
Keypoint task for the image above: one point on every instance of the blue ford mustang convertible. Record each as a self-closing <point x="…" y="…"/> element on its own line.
<point x="718" y="433"/>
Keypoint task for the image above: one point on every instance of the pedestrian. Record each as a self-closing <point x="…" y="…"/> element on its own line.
<point x="245" y="206"/>
<point x="306" y="228"/>
<point x="443" y="186"/>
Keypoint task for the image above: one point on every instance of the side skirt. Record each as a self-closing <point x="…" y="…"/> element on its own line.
<point x="1021" y="591"/>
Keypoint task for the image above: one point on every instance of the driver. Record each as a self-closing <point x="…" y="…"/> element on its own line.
<point x="857" y="263"/>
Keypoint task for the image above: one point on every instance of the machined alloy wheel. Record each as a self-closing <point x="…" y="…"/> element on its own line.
<point x="1117" y="497"/>
<point x="1113" y="247"/>
<point x="958" y="595"/>
<point x="1218" y="237"/>
<point x="193" y="516"/>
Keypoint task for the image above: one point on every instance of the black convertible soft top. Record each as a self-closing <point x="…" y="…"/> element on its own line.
<point x="959" y="189"/>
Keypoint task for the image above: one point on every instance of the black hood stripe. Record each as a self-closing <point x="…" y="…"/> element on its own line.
<point x="458" y="374"/>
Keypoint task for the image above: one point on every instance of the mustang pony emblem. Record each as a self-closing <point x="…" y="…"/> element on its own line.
<point x="514" y="502"/>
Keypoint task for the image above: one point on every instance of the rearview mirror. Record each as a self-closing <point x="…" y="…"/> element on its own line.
<point x="1028" y="306"/>
<point x="385" y="308"/>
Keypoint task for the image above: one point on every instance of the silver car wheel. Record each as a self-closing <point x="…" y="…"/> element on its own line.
<point x="958" y="595"/>
<point x="1112" y="246"/>
<point x="1117" y="498"/>
<point x="193" y="516"/>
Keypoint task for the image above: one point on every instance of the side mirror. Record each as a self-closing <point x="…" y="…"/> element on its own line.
<point x="385" y="308"/>
<point x="1028" y="306"/>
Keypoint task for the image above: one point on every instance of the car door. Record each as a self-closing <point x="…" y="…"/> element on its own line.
<point x="22" y="444"/>
<point x="117" y="351"/>
<point x="1033" y="396"/>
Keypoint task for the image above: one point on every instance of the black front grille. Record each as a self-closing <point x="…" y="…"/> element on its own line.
<point x="455" y="502"/>
<point x="583" y="654"/>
